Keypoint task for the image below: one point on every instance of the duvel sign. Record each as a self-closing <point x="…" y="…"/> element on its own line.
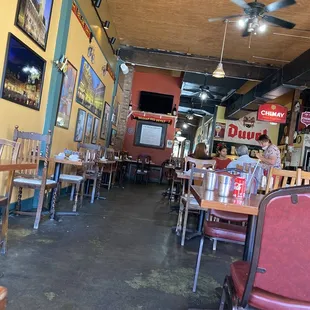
<point x="272" y="113"/>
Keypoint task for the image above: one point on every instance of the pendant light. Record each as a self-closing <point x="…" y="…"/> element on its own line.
<point x="219" y="71"/>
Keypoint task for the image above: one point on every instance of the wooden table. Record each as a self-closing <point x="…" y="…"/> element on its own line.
<point x="7" y="165"/>
<point x="211" y="200"/>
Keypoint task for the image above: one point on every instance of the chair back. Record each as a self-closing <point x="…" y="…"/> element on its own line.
<point x="89" y="152"/>
<point x="30" y="150"/>
<point x="199" y="163"/>
<point x="280" y="179"/>
<point x="109" y="154"/>
<point x="303" y="177"/>
<point x="280" y="263"/>
<point x="9" y="150"/>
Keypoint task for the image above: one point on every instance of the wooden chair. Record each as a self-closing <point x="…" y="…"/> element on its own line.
<point x="303" y="177"/>
<point x="111" y="168"/>
<point x="3" y="297"/>
<point x="30" y="150"/>
<point x="278" y="178"/>
<point x="91" y="153"/>
<point x="143" y="168"/>
<point x="278" y="275"/>
<point x="188" y="201"/>
<point x="8" y="150"/>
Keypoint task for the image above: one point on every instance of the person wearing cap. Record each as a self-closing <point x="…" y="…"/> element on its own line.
<point x="244" y="158"/>
<point x="271" y="156"/>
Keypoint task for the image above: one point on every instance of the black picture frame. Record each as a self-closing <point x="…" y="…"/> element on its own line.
<point x="112" y="137"/>
<point x="105" y="121"/>
<point x="94" y="136"/>
<point x="19" y="20"/>
<point x="66" y="98"/>
<point x="80" y="125"/>
<point x="15" y="71"/>
<point x="137" y="137"/>
<point x="88" y="128"/>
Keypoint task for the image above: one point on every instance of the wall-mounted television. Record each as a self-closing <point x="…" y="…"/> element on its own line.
<point x="155" y="102"/>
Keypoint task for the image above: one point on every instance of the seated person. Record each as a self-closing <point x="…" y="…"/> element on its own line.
<point x="244" y="158"/>
<point x="221" y="157"/>
<point x="200" y="152"/>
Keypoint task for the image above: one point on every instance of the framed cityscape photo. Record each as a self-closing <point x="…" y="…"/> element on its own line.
<point x="80" y="125"/>
<point x="105" y="121"/>
<point x="113" y="137"/>
<point x="94" y="137"/>
<point x="89" y="125"/>
<point x="66" y="97"/>
<point x="23" y="75"/>
<point x="33" y="17"/>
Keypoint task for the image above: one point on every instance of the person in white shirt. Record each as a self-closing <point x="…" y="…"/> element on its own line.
<point x="244" y="158"/>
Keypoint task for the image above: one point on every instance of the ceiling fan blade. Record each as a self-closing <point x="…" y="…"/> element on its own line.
<point x="198" y="115"/>
<point x="216" y="19"/>
<point x="275" y="6"/>
<point x="279" y="22"/>
<point x="192" y="90"/>
<point x="241" y="3"/>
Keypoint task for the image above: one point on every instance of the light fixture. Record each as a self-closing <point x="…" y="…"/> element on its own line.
<point x="106" y="24"/>
<point x="262" y="28"/>
<point x="124" y="68"/>
<point x="180" y="138"/>
<point x="185" y="126"/>
<point x="179" y="132"/>
<point x="112" y="40"/>
<point x="174" y="111"/>
<point x="97" y="3"/>
<point x="219" y="71"/>
<point x="242" y="23"/>
<point x="203" y="95"/>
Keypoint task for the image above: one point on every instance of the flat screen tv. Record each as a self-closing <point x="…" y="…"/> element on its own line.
<point x="155" y="103"/>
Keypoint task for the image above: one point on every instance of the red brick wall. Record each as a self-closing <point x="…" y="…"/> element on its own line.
<point x="156" y="83"/>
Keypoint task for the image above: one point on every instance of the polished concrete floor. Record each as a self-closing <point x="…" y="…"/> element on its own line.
<point x="117" y="254"/>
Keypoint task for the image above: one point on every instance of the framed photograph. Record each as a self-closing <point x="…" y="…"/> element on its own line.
<point x="219" y="131"/>
<point x="90" y="92"/>
<point x="66" y="97"/>
<point x="115" y="113"/>
<point x="105" y="121"/>
<point x="113" y="137"/>
<point x="150" y="134"/>
<point x="94" y="137"/>
<point x="23" y="75"/>
<point x="33" y="17"/>
<point x="89" y="125"/>
<point x="80" y="125"/>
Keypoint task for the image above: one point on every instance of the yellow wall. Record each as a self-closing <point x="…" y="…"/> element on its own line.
<point x="273" y="132"/>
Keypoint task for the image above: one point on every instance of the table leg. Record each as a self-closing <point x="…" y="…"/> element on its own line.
<point x="197" y="233"/>
<point x="5" y="214"/>
<point x="250" y="238"/>
<point x="54" y="192"/>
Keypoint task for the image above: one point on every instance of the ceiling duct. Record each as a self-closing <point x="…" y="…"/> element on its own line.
<point x="295" y="74"/>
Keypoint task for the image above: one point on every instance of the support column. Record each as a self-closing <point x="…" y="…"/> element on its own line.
<point x="124" y="108"/>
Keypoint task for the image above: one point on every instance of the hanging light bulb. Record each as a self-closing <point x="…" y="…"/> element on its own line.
<point x="203" y="95"/>
<point x="219" y="71"/>
<point x="241" y="23"/>
<point x="262" y="28"/>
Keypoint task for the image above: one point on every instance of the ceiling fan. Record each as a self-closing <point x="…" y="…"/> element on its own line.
<point x="255" y="15"/>
<point x="203" y="91"/>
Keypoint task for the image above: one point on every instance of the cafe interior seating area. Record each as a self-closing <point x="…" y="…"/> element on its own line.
<point x="154" y="155"/>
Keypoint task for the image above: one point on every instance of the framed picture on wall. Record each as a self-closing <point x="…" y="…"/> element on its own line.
<point x="33" y="17"/>
<point x="115" y="113"/>
<point x="90" y="92"/>
<point x="88" y="128"/>
<point x="113" y="136"/>
<point x="94" y="137"/>
<point x="23" y="75"/>
<point x="150" y="134"/>
<point x="66" y="97"/>
<point x="80" y="125"/>
<point x="105" y="121"/>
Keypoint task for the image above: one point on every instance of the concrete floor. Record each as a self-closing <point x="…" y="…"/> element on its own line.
<point x="118" y="254"/>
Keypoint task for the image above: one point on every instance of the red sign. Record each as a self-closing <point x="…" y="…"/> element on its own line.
<point x="272" y="113"/>
<point x="305" y="118"/>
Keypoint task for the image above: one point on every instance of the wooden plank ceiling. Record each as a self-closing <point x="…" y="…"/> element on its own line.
<point x="182" y="26"/>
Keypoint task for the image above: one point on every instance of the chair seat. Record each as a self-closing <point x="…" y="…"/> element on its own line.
<point x="225" y="231"/>
<point x="261" y="299"/>
<point x="230" y="216"/>
<point x="70" y="178"/>
<point x="3" y="201"/>
<point x="33" y="182"/>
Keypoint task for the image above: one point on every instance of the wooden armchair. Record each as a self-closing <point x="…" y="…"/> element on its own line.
<point x="110" y="168"/>
<point x="8" y="151"/>
<point x="91" y="153"/>
<point x="30" y="149"/>
<point x="303" y="177"/>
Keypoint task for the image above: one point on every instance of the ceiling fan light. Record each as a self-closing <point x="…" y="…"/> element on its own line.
<point x="241" y="23"/>
<point x="203" y="95"/>
<point x="262" y="28"/>
<point x="185" y="126"/>
<point x="219" y="72"/>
